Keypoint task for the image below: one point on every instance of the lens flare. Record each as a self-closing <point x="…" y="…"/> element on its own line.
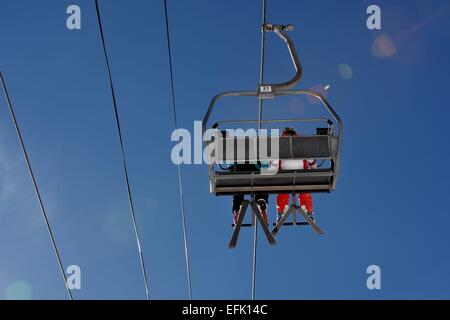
<point x="18" y="290"/>
<point x="383" y="47"/>
<point x="117" y="225"/>
<point x="296" y="106"/>
<point x="345" y="71"/>
<point x="318" y="88"/>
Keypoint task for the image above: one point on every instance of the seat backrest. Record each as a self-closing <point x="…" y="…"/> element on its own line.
<point x="245" y="149"/>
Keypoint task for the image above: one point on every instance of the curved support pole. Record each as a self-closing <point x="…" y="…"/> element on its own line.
<point x="295" y="59"/>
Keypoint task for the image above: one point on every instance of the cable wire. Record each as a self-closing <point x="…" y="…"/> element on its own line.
<point x="180" y="177"/>
<point x="36" y="188"/>
<point x="260" y="114"/>
<point x="125" y="170"/>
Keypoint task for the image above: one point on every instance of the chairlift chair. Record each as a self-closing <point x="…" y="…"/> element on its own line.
<point x="325" y="144"/>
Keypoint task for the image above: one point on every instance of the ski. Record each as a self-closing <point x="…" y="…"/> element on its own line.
<point x="310" y="221"/>
<point x="282" y="220"/>
<point x="237" y="227"/>
<point x="263" y="223"/>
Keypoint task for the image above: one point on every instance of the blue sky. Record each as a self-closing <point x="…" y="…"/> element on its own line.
<point x="391" y="205"/>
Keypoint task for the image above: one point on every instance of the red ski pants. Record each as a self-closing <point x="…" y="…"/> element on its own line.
<point x="304" y="198"/>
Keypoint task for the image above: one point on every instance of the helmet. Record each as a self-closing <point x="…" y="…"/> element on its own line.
<point x="289" y="132"/>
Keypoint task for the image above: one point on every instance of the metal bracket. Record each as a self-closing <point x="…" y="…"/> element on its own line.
<point x="265" y="91"/>
<point x="268" y="27"/>
<point x="239" y="224"/>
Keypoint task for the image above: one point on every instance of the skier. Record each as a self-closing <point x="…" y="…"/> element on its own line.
<point x="261" y="199"/>
<point x="305" y="199"/>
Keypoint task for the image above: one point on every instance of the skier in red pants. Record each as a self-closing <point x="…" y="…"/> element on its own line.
<point x="305" y="199"/>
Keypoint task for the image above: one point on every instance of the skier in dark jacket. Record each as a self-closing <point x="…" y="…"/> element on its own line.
<point x="261" y="199"/>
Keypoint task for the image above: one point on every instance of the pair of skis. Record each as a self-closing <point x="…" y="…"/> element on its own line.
<point x="270" y="235"/>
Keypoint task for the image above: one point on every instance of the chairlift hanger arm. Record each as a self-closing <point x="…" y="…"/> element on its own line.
<point x="280" y="31"/>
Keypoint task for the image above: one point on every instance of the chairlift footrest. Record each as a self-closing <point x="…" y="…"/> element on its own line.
<point x="293" y="224"/>
<point x="244" y="225"/>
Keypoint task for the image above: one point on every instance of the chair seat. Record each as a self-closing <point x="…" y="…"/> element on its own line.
<point x="318" y="180"/>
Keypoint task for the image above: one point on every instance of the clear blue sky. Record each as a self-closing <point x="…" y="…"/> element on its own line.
<point x="391" y="206"/>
